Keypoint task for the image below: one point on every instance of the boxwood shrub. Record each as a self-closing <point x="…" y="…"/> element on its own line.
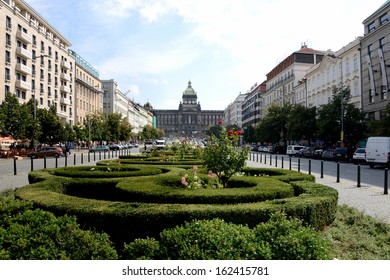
<point x="139" y="207"/>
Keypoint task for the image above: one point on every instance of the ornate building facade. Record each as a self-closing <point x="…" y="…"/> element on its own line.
<point x="189" y="120"/>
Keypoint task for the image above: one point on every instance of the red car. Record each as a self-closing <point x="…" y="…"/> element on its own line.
<point x="46" y="151"/>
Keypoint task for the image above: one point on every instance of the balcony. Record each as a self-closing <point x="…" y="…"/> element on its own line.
<point x="24" y="37"/>
<point x="65" y="77"/>
<point x="23" y="52"/>
<point x="23" y="69"/>
<point x="23" y="85"/>
<point x="62" y="114"/>
<point x="65" y="101"/>
<point x="65" y="64"/>
<point x="65" y="89"/>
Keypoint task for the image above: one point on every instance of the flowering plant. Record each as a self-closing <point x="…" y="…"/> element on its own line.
<point x="193" y="181"/>
<point x="223" y="155"/>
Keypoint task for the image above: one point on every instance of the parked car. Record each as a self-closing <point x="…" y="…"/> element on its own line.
<point x="114" y="147"/>
<point x="301" y="152"/>
<point x="277" y="149"/>
<point x="293" y="150"/>
<point x="160" y="144"/>
<point x="47" y="152"/>
<point x="101" y="148"/>
<point x="328" y="154"/>
<point x="318" y="153"/>
<point x="359" y="156"/>
<point x="343" y="154"/>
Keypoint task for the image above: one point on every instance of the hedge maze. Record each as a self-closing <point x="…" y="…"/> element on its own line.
<point x="139" y="196"/>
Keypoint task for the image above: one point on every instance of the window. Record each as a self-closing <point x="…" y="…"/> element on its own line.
<point x="382" y="43"/>
<point x="7" y="57"/>
<point x="7" y="74"/>
<point x="369" y="50"/>
<point x="384" y="18"/>
<point x="371" y="27"/>
<point x="355" y="63"/>
<point x="8" y="22"/>
<point x="8" y="40"/>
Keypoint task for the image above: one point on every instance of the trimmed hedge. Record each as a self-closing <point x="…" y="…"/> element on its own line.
<point x="315" y="204"/>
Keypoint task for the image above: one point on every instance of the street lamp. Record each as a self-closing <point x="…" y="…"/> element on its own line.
<point x="34" y="100"/>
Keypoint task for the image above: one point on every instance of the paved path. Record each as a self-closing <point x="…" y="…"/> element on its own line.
<point x="367" y="198"/>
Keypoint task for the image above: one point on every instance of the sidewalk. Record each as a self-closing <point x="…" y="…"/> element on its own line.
<point x="368" y="199"/>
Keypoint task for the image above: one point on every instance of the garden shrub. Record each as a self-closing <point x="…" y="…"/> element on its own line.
<point x="278" y="239"/>
<point x="38" y="234"/>
<point x="290" y="240"/>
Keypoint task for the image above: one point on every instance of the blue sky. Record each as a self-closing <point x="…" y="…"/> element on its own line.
<point x="154" y="47"/>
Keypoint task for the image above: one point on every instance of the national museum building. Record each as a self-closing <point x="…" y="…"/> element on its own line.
<point x="189" y="120"/>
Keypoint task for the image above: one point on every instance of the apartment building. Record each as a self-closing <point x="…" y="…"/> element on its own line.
<point x="282" y="79"/>
<point x="35" y="62"/>
<point x="252" y="106"/>
<point x="87" y="90"/>
<point x="233" y="112"/>
<point x="335" y="70"/>
<point x="375" y="62"/>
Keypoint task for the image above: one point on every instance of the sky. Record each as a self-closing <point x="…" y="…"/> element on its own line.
<point x="152" y="48"/>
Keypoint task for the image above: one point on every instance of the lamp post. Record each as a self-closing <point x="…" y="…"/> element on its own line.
<point x="341" y="100"/>
<point x="34" y="100"/>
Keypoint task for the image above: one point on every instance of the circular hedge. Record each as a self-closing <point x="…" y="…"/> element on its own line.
<point x="139" y="206"/>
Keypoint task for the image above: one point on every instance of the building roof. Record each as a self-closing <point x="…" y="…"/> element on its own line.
<point x="189" y="91"/>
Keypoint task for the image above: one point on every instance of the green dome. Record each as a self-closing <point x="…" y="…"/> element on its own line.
<point x="189" y="91"/>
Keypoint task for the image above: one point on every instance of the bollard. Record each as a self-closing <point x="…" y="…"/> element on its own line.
<point x="104" y="154"/>
<point x="94" y="156"/>
<point x="100" y="155"/>
<point x="270" y="159"/>
<point x="32" y="163"/>
<point x="386" y="179"/>
<point x="282" y="162"/>
<point x="289" y="159"/>
<point x="89" y="156"/>
<point x="56" y="162"/>
<point x="261" y="158"/>
<point x="265" y="159"/>
<point x="276" y="161"/>
<point x="74" y="159"/>
<point x="338" y="173"/>
<point x="322" y="169"/>
<point x="299" y="165"/>
<point x="82" y="158"/>
<point x="44" y="162"/>
<point x="309" y="166"/>
<point x="358" y="176"/>
<point x="66" y="161"/>
<point x="15" y="173"/>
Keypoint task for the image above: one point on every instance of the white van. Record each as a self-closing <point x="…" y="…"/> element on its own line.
<point x="292" y="150"/>
<point x="378" y="151"/>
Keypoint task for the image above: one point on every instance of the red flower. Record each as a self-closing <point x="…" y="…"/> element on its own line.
<point x="239" y="132"/>
<point x="236" y="133"/>
<point x="230" y="131"/>
<point x="219" y="121"/>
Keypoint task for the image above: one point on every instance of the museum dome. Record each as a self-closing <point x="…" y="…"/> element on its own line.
<point x="189" y="91"/>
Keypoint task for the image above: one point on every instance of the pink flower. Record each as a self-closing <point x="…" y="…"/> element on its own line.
<point x="183" y="181"/>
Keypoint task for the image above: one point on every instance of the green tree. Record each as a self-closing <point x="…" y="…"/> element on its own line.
<point x="331" y="121"/>
<point x="113" y="125"/>
<point x="302" y="123"/>
<point x="51" y="125"/>
<point x="249" y="134"/>
<point x="125" y="130"/>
